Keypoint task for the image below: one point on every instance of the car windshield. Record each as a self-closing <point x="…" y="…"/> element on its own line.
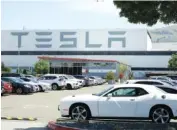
<point x="104" y="91"/>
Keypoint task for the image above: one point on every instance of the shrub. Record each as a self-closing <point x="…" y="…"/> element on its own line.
<point x="110" y="76"/>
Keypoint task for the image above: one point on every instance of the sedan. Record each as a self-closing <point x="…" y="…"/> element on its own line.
<point x="128" y="101"/>
<point x="18" y="86"/>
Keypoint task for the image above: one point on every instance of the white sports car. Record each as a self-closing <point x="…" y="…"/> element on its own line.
<point x="127" y="101"/>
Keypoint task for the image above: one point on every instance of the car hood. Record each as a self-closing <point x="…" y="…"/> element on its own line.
<point x="80" y="97"/>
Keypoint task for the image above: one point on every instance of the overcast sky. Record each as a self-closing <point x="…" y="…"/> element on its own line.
<point x="63" y="14"/>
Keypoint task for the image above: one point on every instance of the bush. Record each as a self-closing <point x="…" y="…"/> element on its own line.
<point x="110" y="76"/>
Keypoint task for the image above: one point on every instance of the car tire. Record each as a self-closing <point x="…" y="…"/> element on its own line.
<point x="80" y="112"/>
<point x="19" y="91"/>
<point x="54" y="86"/>
<point x="161" y="115"/>
<point x="68" y="87"/>
<point x="40" y="89"/>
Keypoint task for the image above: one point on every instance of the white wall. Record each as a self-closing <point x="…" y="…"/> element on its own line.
<point x="134" y="39"/>
<point x="134" y="61"/>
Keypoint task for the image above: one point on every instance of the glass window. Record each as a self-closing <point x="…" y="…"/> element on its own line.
<point x="124" y="92"/>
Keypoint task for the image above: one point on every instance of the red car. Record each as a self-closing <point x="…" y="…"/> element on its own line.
<point x="7" y="87"/>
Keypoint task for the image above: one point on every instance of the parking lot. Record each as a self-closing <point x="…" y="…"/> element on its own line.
<point x="41" y="105"/>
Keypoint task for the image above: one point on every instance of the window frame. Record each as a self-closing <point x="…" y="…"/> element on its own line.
<point x="105" y="95"/>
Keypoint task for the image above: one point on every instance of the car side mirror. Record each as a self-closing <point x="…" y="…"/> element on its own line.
<point x="109" y="95"/>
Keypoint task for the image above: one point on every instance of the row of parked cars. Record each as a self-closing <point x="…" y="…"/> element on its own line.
<point x="164" y="83"/>
<point x="17" y="83"/>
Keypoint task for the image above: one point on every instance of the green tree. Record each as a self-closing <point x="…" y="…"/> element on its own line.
<point x="148" y="12"/>
<point x="41" y="67"/>
<point x="24" y="71"/>
<point x="5" y="68"/>
<point x="172" y="63"/>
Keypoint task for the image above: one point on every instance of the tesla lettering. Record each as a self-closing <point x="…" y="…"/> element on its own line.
<point x="70" y="39"/>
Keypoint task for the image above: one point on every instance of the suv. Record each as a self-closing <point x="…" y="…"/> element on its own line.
<point x="165" y="86"/>
<point x="55" y="81"/>
<point x="71" y="82"/>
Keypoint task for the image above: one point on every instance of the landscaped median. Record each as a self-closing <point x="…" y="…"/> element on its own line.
<point x="109" y="125"/>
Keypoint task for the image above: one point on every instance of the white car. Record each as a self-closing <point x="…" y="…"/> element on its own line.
<point x="42" y="86"/>
<point x="34" y="85"/>
<point x="54" y="80"/>
<point x="71" y="82"/>
<point x="122" y="101"/>
<point x="164" y="85"/>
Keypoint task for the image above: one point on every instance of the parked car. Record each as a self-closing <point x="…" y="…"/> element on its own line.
<point x="54" y="80"/>
<point x="11" y="75"/>
<point x="95" y="81"/>
<point x="163" y="78"/>
<point x="98" y="80"/>
<point x="88" y="81"/>
<point x="2" y="88"/>
<point x="18" y="86"/>
<point x="160" y="84"/>
<point x="34" y="85"/>
<point x="173" y="77"/>
<point x="131" y="101"/>
<point x="7" y="87"/>
<point x="42" y="86"/>
<point x="71" y="83"/>
<point x="80" y="82"/>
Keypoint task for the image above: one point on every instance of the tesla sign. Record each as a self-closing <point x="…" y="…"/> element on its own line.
<point x="43" y="39"/>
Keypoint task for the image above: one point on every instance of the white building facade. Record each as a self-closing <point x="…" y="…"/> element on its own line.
<point x="134" y="47"/>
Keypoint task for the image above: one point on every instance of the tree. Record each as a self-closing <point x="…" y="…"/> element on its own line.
<point x="172" y="63"/>
<point x="24" y="71"/>
<point x="41" y="67"/>
<point x="148" y="12"/>
<point x="5" y="68"/>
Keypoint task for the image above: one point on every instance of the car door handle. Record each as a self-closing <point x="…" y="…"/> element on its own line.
<point x="132" y="99"/>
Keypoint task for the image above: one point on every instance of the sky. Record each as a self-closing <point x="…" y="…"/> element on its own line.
<point x="63" y="14"/>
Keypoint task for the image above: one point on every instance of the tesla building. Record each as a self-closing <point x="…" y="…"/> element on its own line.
<point x="143" y="50"/>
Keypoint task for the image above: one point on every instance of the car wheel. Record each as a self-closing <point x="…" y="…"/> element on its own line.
<point x="80" y="112"/>
<point x="40" y="89"/>
<point x="19" y="91"/>
<point x="54" y="86"/>
<point x="161" y="115"/>
<point x="68" y="86"/>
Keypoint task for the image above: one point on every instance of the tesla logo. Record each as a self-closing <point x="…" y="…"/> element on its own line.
<point x="70" y="39"/>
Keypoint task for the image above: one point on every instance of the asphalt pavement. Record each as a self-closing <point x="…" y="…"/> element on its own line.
<point x="42" y="105"/>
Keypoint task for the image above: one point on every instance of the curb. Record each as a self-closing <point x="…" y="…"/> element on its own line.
<point x="18" y="118"/>
<point x="53" y="126"/>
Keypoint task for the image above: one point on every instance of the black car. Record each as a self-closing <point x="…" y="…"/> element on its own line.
<point x="18" y="86"/>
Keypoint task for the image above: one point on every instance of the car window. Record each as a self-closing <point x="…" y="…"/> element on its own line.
<point x="128" y="92"/>
<point x="140" y="92"/>
<point x="169" y="90"/>
<point x="124" y="92"/>
<point x="49" y="77"/>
